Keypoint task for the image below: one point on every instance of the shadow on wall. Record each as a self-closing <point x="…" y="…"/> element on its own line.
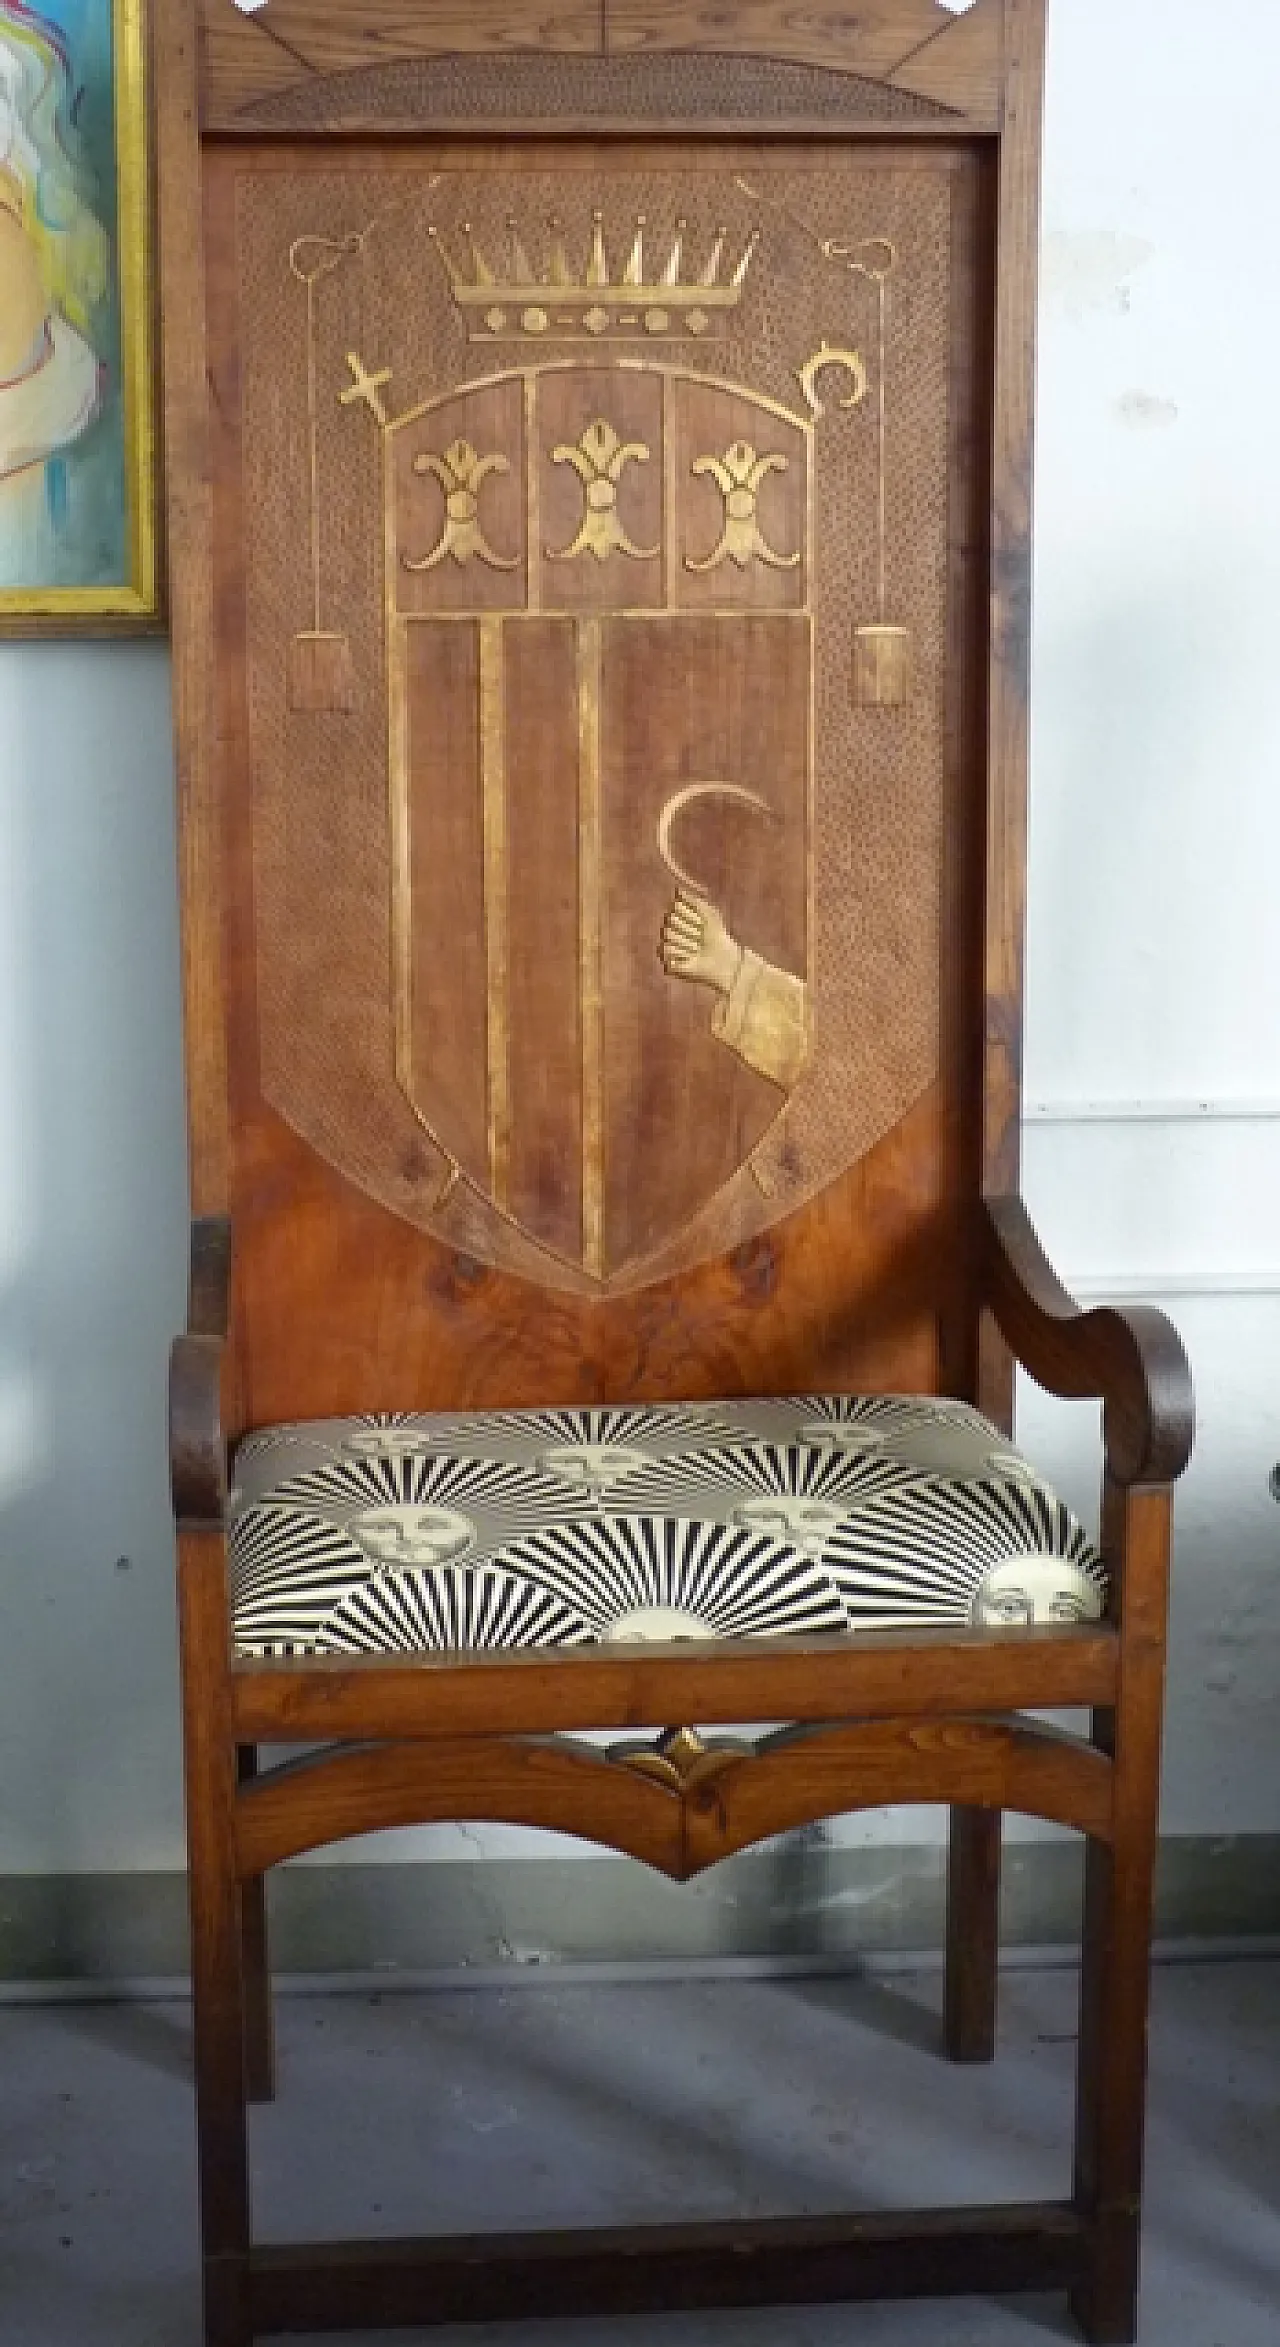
<point x="1153" y="821"/>
<point x="92" y="1256"/>
<point x="1150" y="977"/>
<point x="1123" y="742"/>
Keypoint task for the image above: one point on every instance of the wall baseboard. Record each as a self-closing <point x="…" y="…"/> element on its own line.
<point x="803" y="1902"/>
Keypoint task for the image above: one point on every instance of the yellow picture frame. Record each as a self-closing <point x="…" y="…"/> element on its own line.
<point x="120" y="441"/>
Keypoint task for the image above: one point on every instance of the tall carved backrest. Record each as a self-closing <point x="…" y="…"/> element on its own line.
<point x="599" y="460"/>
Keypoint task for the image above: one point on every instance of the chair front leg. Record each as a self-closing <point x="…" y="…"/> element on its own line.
<point x="1116" y="1966"/>
<point x="260" y="2036"/>
<point x="973" y="1935"/>
<point x="217" y="1955"/>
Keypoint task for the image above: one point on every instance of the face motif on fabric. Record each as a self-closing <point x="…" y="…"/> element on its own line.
<point x="383" y="1442"/>
<point x="799" y="1523"/>
<point x="656" y="1625"/>
<point x="412" y="1536"/>
<point x="1029" y="1591"/>
<point x="1008" y="1464"/>
<point x="935" y="1447"/>
<point x="957" y="1451"/>
<point x="594" y="1464"/>
<point x="835" y="1434"/>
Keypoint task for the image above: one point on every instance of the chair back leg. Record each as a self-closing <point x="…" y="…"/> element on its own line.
<point x="973" y="1935"/>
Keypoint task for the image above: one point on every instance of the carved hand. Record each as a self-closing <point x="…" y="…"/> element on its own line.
<point x="696" y="944"/>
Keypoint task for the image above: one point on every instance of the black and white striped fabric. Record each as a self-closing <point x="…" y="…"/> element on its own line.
<point x="783" y="1517"/>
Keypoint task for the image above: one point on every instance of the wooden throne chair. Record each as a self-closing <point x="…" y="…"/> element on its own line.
<point x="599" y="453"/>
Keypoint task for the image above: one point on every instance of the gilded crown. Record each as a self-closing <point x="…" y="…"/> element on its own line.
<point x="595" y="300"/>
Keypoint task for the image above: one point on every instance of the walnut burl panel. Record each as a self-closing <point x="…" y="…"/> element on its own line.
<point x="344" y="1307"/>
<point x="578" y="572"/>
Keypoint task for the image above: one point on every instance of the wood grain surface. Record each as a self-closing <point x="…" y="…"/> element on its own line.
<point x="728" y="1804"/>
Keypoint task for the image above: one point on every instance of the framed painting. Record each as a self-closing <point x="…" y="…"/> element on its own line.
<point x="77" y="417"/>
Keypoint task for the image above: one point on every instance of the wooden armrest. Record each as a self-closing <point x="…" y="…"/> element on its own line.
<point x="1128" y="1356"/>
<point x="197" y="1442"/>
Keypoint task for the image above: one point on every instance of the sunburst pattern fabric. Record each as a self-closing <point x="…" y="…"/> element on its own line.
<point x="781" y="1517"/>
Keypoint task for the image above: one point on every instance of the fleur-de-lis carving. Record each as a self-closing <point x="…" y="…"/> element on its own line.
<point x="599" y="459"/>
<point x="461" y="474"/>
<point x="738" y="475"/>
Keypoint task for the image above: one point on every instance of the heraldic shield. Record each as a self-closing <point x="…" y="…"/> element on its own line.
<point x="601" y="673"/>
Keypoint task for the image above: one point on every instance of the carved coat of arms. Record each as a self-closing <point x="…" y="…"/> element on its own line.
<point x="600" y="694"/>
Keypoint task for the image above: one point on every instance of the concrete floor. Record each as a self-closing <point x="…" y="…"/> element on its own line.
<point x="533" y="2106"/>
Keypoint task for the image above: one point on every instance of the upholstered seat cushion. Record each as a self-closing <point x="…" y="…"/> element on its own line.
<point x="565" y="1527"/>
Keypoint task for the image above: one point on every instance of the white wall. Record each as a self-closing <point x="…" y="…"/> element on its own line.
<point x="1154" y="978"/>
<point x="92" y="1256"/>
<point x="1154" y="962"/>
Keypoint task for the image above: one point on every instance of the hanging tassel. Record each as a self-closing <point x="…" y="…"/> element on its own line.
<point x="319" y="669"/>
<point x="322" y="673"/>
<point x="881" y="666"/>
<point x="881" y="652"/>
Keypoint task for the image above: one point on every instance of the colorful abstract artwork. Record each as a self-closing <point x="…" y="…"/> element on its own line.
<point x="77" y="536"/>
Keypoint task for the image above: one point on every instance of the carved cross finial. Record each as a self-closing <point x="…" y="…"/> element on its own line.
<point x="365" y="388"/>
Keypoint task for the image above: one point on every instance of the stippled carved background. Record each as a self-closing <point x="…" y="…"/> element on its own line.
<point x="628" y="89"/>
<point x="321" y="843"/>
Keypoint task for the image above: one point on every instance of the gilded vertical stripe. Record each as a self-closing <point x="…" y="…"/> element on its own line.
<point x="591" y="943"/>
<point x="493" y="801"/>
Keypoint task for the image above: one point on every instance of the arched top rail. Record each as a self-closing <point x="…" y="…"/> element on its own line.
<point x="330" y="65"/>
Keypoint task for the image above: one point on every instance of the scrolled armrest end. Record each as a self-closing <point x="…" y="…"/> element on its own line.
<point x="1149" y="1419"/>
<point x="1130" y="1357"/>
